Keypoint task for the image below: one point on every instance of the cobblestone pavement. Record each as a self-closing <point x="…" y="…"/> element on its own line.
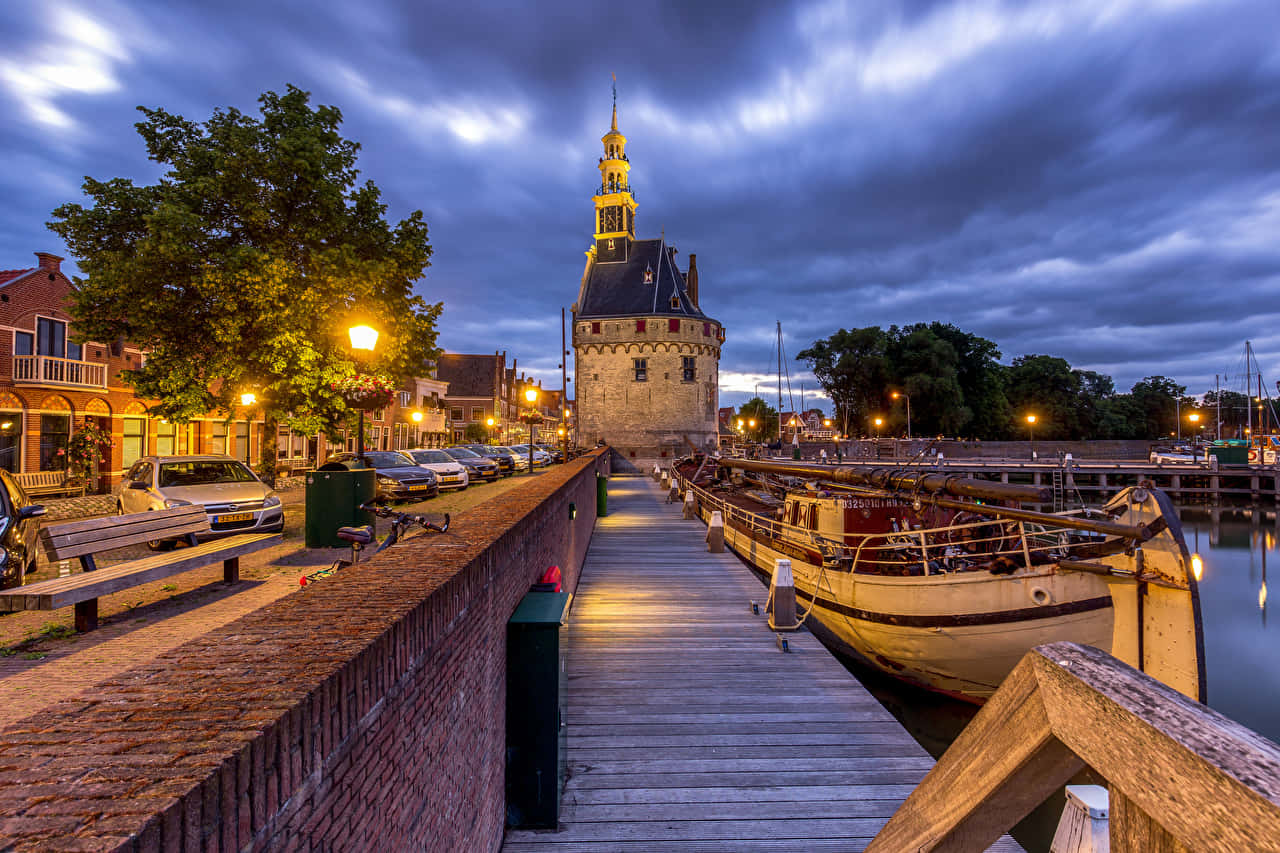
<point x="43" y="659"/>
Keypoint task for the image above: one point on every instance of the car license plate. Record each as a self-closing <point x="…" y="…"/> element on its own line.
<point x="419" y="487"/>
<point x="235" y="516"/>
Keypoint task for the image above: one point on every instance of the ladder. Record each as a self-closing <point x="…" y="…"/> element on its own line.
<point x="1059" y="498"/>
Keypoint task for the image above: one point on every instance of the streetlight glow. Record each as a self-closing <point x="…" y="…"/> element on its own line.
<point x="248" y="398"/>
<point x="531" y="394"/>
<point x="363" y="337"/>
<point x="417" y="417"/>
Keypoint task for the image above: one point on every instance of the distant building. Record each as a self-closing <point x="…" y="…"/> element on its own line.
<point x="480" y="389"/>
<point x="646" y="356"/>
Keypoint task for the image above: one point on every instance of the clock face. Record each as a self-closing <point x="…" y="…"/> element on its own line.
<point x="611" y="219"/>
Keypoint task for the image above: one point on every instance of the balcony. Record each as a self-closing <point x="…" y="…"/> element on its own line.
<point x="64" y="372"/>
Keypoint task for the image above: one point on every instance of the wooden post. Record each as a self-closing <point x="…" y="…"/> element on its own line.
<point x="231" y="570"/>
<point x="715" y="533"/>
<point x="690" y="505"/>
<point x="87" y="615"/>
<point x="657" y="471"/>
<point x="782" y="597"/>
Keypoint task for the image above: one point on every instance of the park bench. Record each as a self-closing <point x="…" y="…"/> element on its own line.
<point x="49" y="483"/>
<point x="86" y="539"/>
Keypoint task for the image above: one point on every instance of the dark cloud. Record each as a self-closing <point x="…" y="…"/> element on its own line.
<point x="1096" y="180"/>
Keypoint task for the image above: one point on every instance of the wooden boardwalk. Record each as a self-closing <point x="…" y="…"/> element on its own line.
<point x="688" y="729"/>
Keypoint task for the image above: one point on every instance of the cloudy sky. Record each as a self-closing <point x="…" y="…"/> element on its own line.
<point x="1092" y="179"/>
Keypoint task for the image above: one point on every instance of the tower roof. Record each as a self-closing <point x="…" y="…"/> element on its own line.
<point x="643" y="284"/>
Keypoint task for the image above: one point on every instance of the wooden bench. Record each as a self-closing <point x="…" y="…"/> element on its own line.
<point x="85" y="539"/>
<point x="49" y="483"/>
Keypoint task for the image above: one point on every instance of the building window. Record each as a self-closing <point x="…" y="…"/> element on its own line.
<point x="54" y="432"/>
<point x="24" y="343"/>
<point x="706" y="329"/>
<point x="477" y="414"/>
<point x="673" y="325"/>
<point x="641" y="367"/>
<point x="455" y="413"/>
<point x="675" y="303"/>
<point x="242" y="442"/>
<point x="690" y="369"/>
<point x="217" y="437"/>
<point x="51" y="337"/>
<point x="166" y="439"/>
<point x="133" y="443"/>
<point x="639" y="325"/>
<point x="11" y="441"/>
<point x="595" y="329"/>
<point x="404" y="399"/>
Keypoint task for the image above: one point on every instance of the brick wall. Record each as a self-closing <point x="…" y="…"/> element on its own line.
<point x="365" y="712"/>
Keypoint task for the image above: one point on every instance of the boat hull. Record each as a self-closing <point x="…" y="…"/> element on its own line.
<point x="957" y="633"/>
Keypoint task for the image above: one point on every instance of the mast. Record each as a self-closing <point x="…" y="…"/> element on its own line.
<point x="779" y="382"/>
<point x="564" y="383"/>
<point x="1217" y="399"/>
<point x="1248" y="387"/>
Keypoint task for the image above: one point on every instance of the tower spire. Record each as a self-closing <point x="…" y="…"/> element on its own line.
<point x="614" y="125"/>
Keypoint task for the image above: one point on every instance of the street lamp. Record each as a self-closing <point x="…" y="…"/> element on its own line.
<point x="1031" y="426"/>
<point x="904" y="395"/>
<point x="363" y="340"/>
<point x="531" y="394"/>
<point x="488" y="433"/>
<point x="878" y="423"/>
<point x="247" y="399"/>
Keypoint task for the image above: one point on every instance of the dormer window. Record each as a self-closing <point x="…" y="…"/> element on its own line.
<point x="675" y="303"/>
<point x="648" y="275"/>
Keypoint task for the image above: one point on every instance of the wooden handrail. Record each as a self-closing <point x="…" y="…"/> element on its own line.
<point x="1182" y="777"/>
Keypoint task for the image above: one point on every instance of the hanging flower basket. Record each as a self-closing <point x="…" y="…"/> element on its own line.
<point x="365" y="391"/>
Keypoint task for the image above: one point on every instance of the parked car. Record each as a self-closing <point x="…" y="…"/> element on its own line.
<point x="478" y="467"/>
<point x="556" y="454"/>
<point x="505" y="460"/>
<point x="399" y="478"/>
<point x="540" y="457"/>
<point x="518" y="462"/>
<point x="450" y="473"/>
<point x="19" y="527"/>
<point x="232" y="495"/>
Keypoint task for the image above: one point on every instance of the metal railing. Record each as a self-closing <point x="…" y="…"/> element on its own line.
<point x="48" y="370"/>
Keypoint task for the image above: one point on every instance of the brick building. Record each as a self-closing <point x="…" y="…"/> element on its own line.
<point x="50" y="387"/>
<point x="647" y="358"/>
<point x="481" y="387"/>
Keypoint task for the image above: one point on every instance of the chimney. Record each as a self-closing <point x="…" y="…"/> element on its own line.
<point x="691" y="279"/>
<point x="49" y="262"/>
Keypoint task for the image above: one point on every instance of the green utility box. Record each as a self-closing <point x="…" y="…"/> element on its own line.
<point x="537" y="692"/>
<point x="602" y="495"/>
<point x="333" y="501"/>
<point x="1230" y="454"/>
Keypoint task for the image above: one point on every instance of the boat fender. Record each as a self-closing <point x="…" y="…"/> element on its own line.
<point x="1040" y="596"/>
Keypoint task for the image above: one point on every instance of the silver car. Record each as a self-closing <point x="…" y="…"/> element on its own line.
<point x="235" y="499"/>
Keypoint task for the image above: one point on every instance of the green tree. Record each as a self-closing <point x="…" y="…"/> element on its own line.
<point x="981" y="379"/>
<point x="763" y="415"/>
<point x="476" y="434"/>
<point x="244" y="265"/>
<point x="853" y="369"/>
<point x="1047" y="387"/>
<point x="1157" y="401"/>
<point x="926" y="367"/>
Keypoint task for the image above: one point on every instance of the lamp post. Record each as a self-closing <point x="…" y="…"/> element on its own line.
<point x="247" y="399"/>
<point x="878" y="423"/>
<point x="904" y="395"/>
<point x="488" y="433"/>
<point x="1031" y="427"/>
<point x="531" y="394"/>
<point x="363" y="340"/>
<point x="416" y="417"/>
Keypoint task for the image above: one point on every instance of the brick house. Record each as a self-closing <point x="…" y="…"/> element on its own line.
<point x="50" y="387"/>
<point x="480" y="387"/>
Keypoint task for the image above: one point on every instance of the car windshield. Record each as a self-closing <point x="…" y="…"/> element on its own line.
<point x="521" y="448"/>
<point x="389" y="460"/>
<point x="461" y="453"/>
<point x="501" y="449"/>
<point x="201" y="473"/>
<point x="430" y="456"/>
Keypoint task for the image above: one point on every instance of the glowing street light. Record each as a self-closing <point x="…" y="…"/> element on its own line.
<point x="878" y="422"/>
<point x="904" y="395"/>
<point x="531" y="395"/>
<point x="363" y="340"/>
<point x="247" y="399"/>
<point x="1031" y="427"/>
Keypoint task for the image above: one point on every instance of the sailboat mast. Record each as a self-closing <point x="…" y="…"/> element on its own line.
<point x="779" y="381"/>
<point x="1248" y="386"/>
<point x="1217" y="399"/>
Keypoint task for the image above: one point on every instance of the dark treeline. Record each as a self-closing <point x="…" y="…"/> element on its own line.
<point x="957" y="387"/>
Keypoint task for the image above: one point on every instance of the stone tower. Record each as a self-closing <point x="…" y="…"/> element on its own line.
<point x="646" y="359"/>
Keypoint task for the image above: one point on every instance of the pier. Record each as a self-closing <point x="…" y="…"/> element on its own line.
<point x="689" y="728"/>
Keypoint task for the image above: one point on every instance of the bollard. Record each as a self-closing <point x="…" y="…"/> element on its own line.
<point x="666" y="480"/>
<point x="715" y="534"/>
<point x="673" y="494"/>
<point x="782" y="597"/>
<point x="690" y="505"/>
<point x="1084" y="825"/>
<point x="657" y="471"/>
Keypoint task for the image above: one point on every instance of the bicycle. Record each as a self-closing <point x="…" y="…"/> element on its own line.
<point x="365" y="535"/>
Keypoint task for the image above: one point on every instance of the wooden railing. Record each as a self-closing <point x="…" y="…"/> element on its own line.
<point x="1182" y="777"/>
<point x="47" y="370"/>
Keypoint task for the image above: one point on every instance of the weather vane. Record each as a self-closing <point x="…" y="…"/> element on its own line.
<point x="615" y="89"/>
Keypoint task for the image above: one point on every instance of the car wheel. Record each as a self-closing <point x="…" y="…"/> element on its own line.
<point x="161" y="544"/>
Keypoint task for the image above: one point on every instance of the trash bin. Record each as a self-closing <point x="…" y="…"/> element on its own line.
<point x="333" y="500"/>
<point x="602" y="495"/>
<point x="795" y="453"/>
<point x="536" y="706"/>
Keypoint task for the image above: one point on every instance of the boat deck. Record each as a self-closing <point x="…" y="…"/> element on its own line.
<point x="689" y="730"/>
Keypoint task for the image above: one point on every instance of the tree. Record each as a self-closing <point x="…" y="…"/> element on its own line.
<point x="925" y="366"/>
<point x="1158" y="400"/>
<point x="764" y="416"/>
<point x="1047" y="387"/>
<point x="476" y="434"/>
<point x="243" y="267"/>
<point x="853" y="369"/>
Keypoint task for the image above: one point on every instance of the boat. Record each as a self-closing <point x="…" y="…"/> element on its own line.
<point x="947" y="581"/>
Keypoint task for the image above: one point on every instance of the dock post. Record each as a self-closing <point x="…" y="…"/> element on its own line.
<point x="715" y="533"/>
<point x="657" y="471"/>
<point x="782" y="597"/>
<point x="1085" y="825"/>
<point x="690" y="505"/>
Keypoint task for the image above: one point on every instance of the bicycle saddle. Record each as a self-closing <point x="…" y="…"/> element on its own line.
<point x="362" y="534"/>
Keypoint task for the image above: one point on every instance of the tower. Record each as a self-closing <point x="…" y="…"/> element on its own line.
<point x="646" y="358"/>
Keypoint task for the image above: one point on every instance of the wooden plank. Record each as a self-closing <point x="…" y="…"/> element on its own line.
<point x="63" y="591"/>
<point x="688" y="729"/>
<point x="93" y="536"/>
